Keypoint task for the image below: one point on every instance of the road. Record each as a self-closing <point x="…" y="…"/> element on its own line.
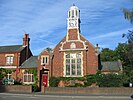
<point x="10" y="96"/>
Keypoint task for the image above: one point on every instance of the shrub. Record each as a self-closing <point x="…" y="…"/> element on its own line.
<point x="90" y="79"/>
<point x="53" y="81"/>
<point x="35" y="87"/>
<point x="109" y="80"/>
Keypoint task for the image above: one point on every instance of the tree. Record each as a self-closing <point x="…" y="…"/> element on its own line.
<point x="128" y="14"/>
<point x="2" y="73"/>
<point x="129" y="36"/>
<point x="49" y="50"/>
<point x="122" y="53"/>
<point x="108" y="55"/>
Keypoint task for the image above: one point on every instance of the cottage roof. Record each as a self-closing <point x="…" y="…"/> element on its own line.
<point x="11" y="48"/>
<point x="32" y="62"/>
<point x="111" y="66"/>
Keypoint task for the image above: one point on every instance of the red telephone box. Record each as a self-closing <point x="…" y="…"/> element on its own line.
<point x="45" y="80"/>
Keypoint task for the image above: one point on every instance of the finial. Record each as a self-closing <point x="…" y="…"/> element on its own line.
<point x="73" y="4"/>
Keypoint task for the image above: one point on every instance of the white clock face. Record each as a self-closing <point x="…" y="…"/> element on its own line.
<point x="72" y="23"/>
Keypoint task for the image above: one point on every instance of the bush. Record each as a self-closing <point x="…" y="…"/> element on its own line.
<point x="110" y="80"/>
<point x="35" y="88"/>
<point x="90" y="79"/>
<point x="53" y="81"/>
<point x="72" y="78"/>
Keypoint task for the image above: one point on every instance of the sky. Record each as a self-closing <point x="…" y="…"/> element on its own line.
<point x="102" y="22"/>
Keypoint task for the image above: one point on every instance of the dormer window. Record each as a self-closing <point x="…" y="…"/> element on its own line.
<point x="44" y="60"/>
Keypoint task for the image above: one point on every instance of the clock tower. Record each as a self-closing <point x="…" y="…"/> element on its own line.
<point x="73" y="18"/>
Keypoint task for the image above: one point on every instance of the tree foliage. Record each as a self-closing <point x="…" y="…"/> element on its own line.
<point x="53" y="81"/>
<point x="121" y="53"/>
<point x="109" y="80"/>
<point x="4" y="72"/>
<point x="108" y="55"/>
<point x="129" y="36"/>
<point x="128" y="14"/>
<point x="90" y="79"/>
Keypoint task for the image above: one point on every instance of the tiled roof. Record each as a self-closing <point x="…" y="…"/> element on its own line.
<point x="12" y="48"/>
<point x="32" y="62"/>
<point x="111" y="66"/>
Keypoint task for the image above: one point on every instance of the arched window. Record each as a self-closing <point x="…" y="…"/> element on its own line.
<point x="76" y="13"/>
<point x="72" y="13"/>
<point x="73" y="46"/>
<point x="69" y="14"/>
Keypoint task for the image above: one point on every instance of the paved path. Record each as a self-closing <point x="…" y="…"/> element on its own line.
<point x="11" y="96"/>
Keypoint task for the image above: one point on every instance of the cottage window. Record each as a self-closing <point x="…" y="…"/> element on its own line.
<point x="44" y="60"/>
<point x="9" y="60"/>
<point x="9" y="76"/>
<point x="28" y="78"/>
<point x="73" y="64"/>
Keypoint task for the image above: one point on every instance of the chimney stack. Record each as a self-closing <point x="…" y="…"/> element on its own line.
<point x="26" y="40"/>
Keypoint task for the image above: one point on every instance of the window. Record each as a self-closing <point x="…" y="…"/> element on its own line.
<point x="73" y="46"/>
<point x="69" y="13"/>
<point x="9" y="76"/>
<point x="44" y="60"/>
<point x="73" y="64"/>
<point x="28" y="78"/>
<point x="9" y="60"/>
<point x="72" y="13"/>
<point x="76" y="13"/>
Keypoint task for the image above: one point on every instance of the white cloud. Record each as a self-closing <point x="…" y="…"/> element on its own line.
<point x="45" y="20"/>
<point x="110" y="35"/>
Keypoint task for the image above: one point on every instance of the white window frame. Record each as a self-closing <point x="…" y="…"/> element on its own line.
<point x="9" y="76"/>
<point x="44" y="60"/>
<point x="76" y="65"/>
<point x="9" y="60"/>
<point x="27" y="78"/>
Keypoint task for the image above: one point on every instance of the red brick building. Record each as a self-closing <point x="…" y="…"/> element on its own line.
<point x="11" y="57"/>
<point x="73" y="56"/>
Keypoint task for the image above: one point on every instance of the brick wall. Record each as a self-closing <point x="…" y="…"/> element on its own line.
<point x="3" y="59"/>
<point x="88" y="91"/>
<point x="16" y="88"/>
<point x="90" y="59"/>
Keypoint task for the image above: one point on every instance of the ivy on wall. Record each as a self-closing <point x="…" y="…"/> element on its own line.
<point x="4" y="72"/>
<point x="101" y="80"/>
<point x="34" y="72"/>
